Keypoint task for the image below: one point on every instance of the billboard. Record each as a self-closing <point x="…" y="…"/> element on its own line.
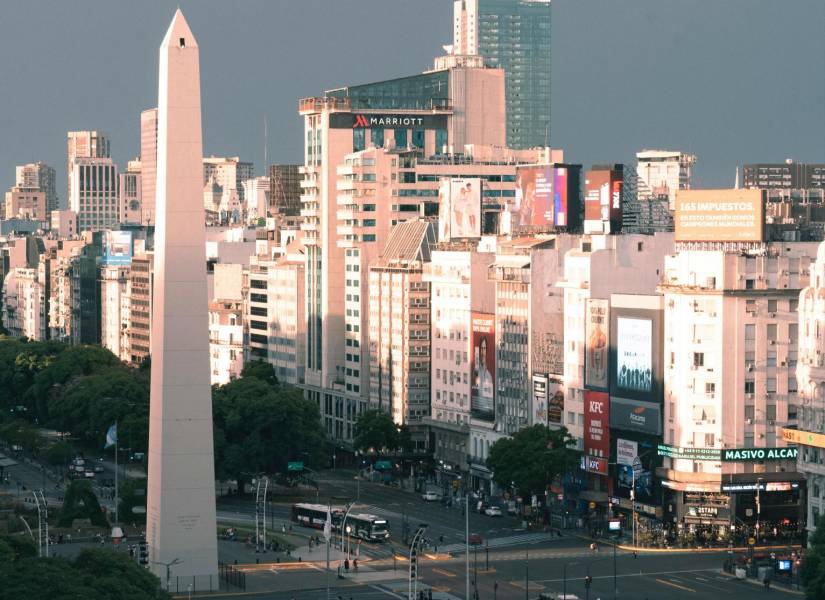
<point x="597" y="195"/>
<point x="459" y="213"/>
<point x="560" y="200"/>
<point x="482" y="392"/>
<point x="720" y="215"/>
<point x="548" y="400"/>
<point x="344" y="120"/>
<point x="534" y="205"/>
<point x="634" y="354"/>
<point x="117" y="248"/>
<point x="597" y="337"/>
<point x="626" y="451"/>
<point x="635" y="415"/>
<point x="596" y="424"/>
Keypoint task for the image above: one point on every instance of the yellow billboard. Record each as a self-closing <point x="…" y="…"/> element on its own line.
<point x="720" y="215"/>
<point x="805" y="438"/>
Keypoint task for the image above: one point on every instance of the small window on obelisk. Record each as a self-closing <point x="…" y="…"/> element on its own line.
<point x="182" y="43"/>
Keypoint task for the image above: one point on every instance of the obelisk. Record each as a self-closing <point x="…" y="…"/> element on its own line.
<point x="180" y="507"/>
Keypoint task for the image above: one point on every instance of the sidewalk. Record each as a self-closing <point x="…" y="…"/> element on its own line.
<point x="775" y="584"/>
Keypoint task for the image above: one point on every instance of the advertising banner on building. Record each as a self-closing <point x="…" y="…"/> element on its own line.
<point x="597" y="195"/>
<point x="704" y="454"/>
<point x="634" y="354"/>
<point x="596" y="424"/>
<point x="560" y="200"/>
<point x="597" y="337"/>
<point x="635" y="415"/>
<point x="465" y="208"/>
<point x="534" y="203"/>
<point x="343" y="120"/>
<point x="626" y="451"/>
<point x="117" y="248"/>
<point x="806" y="438"/>
<point x="539" y="411"/>
<point x="443" y="210"/>
<point x="482" y="394"/>
<point x="759" y="454"/>
<point x="734" y="215"/>
<point x="555" y="401"/>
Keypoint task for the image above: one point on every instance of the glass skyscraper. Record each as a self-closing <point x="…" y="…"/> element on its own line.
<point x="513" y="35"/>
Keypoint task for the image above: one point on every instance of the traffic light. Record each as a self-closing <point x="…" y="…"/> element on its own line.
<point x="143" y="553"/>
<point x="587" y="581"/>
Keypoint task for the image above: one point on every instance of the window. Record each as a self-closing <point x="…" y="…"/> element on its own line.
<point x="770" y="412"/>
<point x="749" y="412"/>
<point x="400" y="138"/>
<point x="749" y="284"/>
<point x="771" y="358"/>
<point x="771" y="306"/>
<point x="749" y="387"/>
<point x="750" y="331"/>
<point x="749" y="440"/>
<point x="770" y="386"/>
<point x="358" y="139"/>
<point x="772" y="332"/>
<point x="571" y="418"/>
<point x="698" y="359"/>
<point x="710" y="389"/>
<point x="258" y="284"/>
<point x="709" y="440"/>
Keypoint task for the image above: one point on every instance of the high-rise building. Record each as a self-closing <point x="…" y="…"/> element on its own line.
<point x="256" y="193"/>
<point x="41" y="177"/>
<point x="114" y="309"/>
<point x="225" y="340"/>
<point x="650" y="196"/>
<point x="810" y="379"/>
<point x="399" y="326"/>
<point x="25" y="203"/>
<point x="149" y="164"/>
<point x="84" y="144"/>
<point x="131" y="194"/>
<point x="513" y="35"/>
<point x="24" y="304"/>
<point x="94" y="193"/>
<point x="141" y="284"/>
<point x="788" y="175"/>
<point x="285" y="190"/>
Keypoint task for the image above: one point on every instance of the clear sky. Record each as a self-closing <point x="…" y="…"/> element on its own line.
<point x="732" y="81"/>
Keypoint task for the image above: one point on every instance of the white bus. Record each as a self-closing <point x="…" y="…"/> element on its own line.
<point x="368" y="527"/>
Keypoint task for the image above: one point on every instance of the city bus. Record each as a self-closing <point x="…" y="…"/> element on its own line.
<point x="368" y="527"/>
<point x="315" y="515"/>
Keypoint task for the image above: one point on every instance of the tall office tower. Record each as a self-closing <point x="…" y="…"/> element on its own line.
<point x="141" y="284"/>
<point x="788" y="176"/>
<point x="513" y="35"/>
<point x="131" y="193"/>
<point x="659" y="174"/>
<point x="149" y="164"/>
<point x="228" y="172"/>
<point x="84" y="144"/>
<point x="810" y="378"/>
<point x="180" y="509"/>
<point x="94" y="193"/>
<point x="38" y="176"/>
<point x="399" y="326"/>
<point x="426" y="114"/>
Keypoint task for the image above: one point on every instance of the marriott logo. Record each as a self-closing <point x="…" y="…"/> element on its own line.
<point x="387" y="121"/>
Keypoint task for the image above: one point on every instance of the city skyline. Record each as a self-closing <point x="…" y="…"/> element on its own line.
<point x="678" y="115"/>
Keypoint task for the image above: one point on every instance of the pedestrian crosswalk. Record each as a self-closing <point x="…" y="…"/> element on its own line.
<point x="502" y="542"/>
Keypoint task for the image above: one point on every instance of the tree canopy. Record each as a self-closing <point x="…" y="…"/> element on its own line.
<point x="813" y="565"/>
<point x="93" y="574"/>
<point x="80" y="502"/>
<point x="532" y="458"/>
<point x="376" y="432"/>
<point x="260" y="426"/>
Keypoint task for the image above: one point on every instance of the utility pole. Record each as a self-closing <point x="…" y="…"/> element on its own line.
<point x="527" y="574"/>
<point x="467" y="544"/>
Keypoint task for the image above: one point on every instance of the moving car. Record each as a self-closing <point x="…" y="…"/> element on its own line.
<point x="431" y="496"/>
<point x="492" y="511"/>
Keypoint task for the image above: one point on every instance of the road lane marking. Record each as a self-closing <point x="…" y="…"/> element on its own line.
<point x="380" y="589"/>
<point x="444" y="572"/>
<point x="635" y="574"/>
<point x="676" y="585"/>
<point x="532" y="585"/>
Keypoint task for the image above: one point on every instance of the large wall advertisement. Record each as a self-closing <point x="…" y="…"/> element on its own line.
<point x="560" y="197"/>
<point x="548" y="400"/>
<point x="634" y="354"/>
<point x="117" y="248"/>
<point x="482" y="394"/>
<point x="459" y="212"/>
<point x="596" y="430"/>
<point x="533" y="204"/>
<point x="736" y="215"/>
<point x="597" y="339"/>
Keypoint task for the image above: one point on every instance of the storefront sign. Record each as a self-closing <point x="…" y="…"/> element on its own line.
<point x="712" y="454"/>
<point x="594" y="464"/>
<point x="702" y="511"/>
<point x="596" y="424"/>
<point x="344" y="120"/>
<point x="626" y="451"/>
<point x="765" y="486"/>
<point x="806" y="438"/>
<point x="596" y="344"/>
<point x="759" y="454"/>
<point x="635" y="415"/>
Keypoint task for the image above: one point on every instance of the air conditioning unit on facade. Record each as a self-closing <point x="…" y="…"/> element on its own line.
<point x="749" y="421"/>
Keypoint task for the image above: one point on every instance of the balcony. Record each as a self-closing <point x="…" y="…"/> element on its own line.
<point x="314" y="105"/>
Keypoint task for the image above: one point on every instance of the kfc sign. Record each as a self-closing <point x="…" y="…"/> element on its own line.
<point x="593" y="464"/>
<point x="596" y="425"/>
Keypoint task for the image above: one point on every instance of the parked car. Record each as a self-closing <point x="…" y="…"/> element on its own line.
<point x="492" y="511"/>
<point x="431" y="496"/>
<point x="89" y="474"/>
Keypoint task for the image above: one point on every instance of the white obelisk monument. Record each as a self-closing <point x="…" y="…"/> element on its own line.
<point x="180" y="507"/>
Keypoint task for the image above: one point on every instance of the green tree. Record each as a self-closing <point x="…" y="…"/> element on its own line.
<point x="59" y="453"/>
<point x="532" y="458"/>
<point x="16" y="547"/>
<point x="93" y="574"/>
<point x="813" y="564"/>
<point x="80" y="502"/>
<point x="132" y="494"/>
<point x="259" y="428"/>
<point x="376" y="432"/>
<point x="20" y="362"/>
<point x="260" y="369"/>
<point x="21" y="433"/>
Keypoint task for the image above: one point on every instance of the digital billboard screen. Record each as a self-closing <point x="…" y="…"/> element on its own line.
<point x="634" y="354"/>
<point x="534" y="203"/>
<point x="735" y="215"/>
<point x="483" y="385"/>
<point x="560" y="204"/>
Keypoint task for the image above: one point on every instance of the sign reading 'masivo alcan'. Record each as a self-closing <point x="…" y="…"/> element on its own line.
<point x="759" y="454"/>
<point x="344" y="120"/>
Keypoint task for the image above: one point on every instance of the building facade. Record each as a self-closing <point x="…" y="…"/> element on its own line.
<point x="94" y="193"/>
<point x="84" y="144"/>
<point x="41" y="177"/>
<point x="149" y="164"/>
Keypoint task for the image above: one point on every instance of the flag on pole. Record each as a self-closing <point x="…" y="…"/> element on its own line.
<point x="328" y="527"/>
<point x="111" y="436"/>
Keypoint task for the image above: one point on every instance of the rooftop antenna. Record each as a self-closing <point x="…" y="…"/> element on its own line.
<point x="736" y="180"/>
<point x="266" y="144"/>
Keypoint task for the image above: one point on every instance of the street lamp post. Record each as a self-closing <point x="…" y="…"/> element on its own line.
<point x="758" y="506"/>
<point x="169" y="565"/>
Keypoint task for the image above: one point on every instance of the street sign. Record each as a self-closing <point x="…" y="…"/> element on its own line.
<point x="295" y="466"/>
<point x="751" y="541"/>
<point x="637" y="464"/>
